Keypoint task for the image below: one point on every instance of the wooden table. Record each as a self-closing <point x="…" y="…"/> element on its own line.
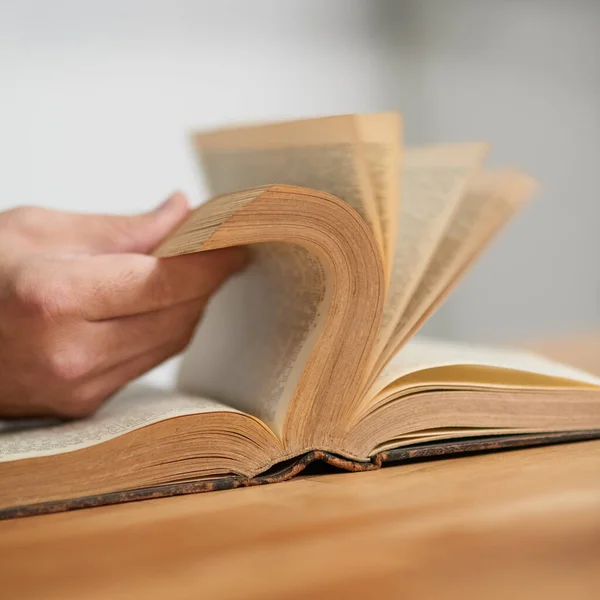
<point x="521" y="524"/>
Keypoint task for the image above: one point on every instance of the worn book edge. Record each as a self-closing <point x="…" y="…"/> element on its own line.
<point x="290" y="468"/>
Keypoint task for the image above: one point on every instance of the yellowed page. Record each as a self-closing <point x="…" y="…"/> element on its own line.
<point x="273" y="341"/>
<point x="324" y="154"/>
<point x="434" y="180"/>
<point x="264" y="321"/>
<point x="254" y="341"/>
<point x="491" y="200"/>
<point x="134" y="407"/>
<point x="278" y="307"/>
<point x="421" y="355"/>
<point x="381" y="137"/>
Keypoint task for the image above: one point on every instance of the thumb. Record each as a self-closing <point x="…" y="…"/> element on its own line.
<point x="141" y="233"/>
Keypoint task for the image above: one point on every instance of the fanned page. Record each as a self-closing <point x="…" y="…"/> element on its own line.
<point x="267" y="321"/>
<point x="380" y="135"/>
<point x="258" y="332"/>
<point x="434" y="180"/>
<point x="489" y="202"/>
<point x="316" y="275"/>
<point x="325" y="154"/>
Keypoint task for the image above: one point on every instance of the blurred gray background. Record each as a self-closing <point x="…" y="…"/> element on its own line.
<point x="97" y="99"/>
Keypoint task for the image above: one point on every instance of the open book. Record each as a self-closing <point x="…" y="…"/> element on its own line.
<point x="306" y="355"/>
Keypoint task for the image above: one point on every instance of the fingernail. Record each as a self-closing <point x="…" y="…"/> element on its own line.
<point x="165" y="206"/>
<point x="170" y="202"/>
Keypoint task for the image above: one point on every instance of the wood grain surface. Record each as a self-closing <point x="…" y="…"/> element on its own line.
<point x="518" y="524"/>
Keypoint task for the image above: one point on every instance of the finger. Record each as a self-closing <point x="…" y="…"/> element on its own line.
<point x="119" y="340"/>
<point x="97" y="349"/>
<point x="133" y="233"/>
<point x="101" y="234"/>
<point x="118" y="285"/>
<point x="90" y="394"/>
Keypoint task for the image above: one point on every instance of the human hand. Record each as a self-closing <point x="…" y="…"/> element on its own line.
<point x="84" y="309"/>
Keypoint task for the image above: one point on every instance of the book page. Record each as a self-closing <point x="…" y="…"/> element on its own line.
<point x="381" y="137"/>
<point x="421" y="354"/>
<point x="258" y="332"/>
<point x="433" y="182"/>
<point x="134" y="407"/>
<point x="491" y="200"/>
<point x="260" y="329"/>
<point x="324" y="154"/>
